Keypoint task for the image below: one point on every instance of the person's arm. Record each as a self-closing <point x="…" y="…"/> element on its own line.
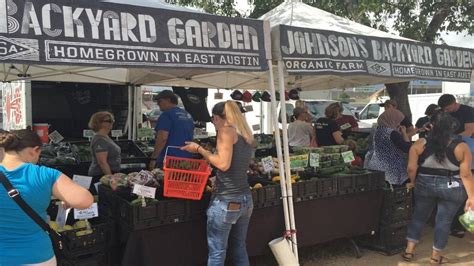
<point x="415" y="151"/>
<point x="160" y="143"/>
<point x="102" y="162"/>
<point x="337" y="135"/>
<point x="72" y="194"/>
<point x="468" y="130"/>
<point x="400" y="141"/>
<point x="225" y="143"/>
<point x="464" y="155"/>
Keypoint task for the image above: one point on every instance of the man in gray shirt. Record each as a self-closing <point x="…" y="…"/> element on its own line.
<point x="300" y="132"/>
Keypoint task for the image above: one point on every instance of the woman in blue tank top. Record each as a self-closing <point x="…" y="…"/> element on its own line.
<point x="231" y="205"/>
<point x="22" y="241"/>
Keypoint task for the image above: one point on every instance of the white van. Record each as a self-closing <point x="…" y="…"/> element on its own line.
<point x="418" y="104"/>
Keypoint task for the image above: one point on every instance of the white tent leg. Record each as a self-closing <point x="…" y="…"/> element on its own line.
<point x="271" y="83"/>
<point x="281" y="83"/>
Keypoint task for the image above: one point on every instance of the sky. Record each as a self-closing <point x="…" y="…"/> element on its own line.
<point x="451" y="38"/>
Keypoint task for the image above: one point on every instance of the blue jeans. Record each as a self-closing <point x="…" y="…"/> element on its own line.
<point x="432" y="191"/>
<point x="228" y="227"/>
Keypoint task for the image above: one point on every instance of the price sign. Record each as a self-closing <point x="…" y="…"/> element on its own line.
<point x="87" y="133"/>
<point x="345" y="126"/>
<point x="314" y="159"/>
<point x="256" y="127"/>
<point x="55" y="137"/>
<point x="248" y="108"/>
<point x="218" y="95"/>
<point x="116" y="133"/>
<point x="145" y="133"/>
<point x="299" y="161"/>
<point x="88" y="213"/>
<point x="267" y="163"/>
<point x="144" y="191"/>
<point x="82" y="180"/>
<point x="348" y="156"/>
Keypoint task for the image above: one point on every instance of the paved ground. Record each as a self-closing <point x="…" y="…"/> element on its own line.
<point x="460" y="251"/>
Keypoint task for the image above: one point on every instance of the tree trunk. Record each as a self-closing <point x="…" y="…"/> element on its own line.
<point x="399" y="93"/>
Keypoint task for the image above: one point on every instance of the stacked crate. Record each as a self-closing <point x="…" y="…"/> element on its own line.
<point x="397" y="210"/>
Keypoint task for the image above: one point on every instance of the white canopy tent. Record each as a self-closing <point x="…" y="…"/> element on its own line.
<point x="317" y="50"/>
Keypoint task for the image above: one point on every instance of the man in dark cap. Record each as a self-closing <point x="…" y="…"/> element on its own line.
<point x="174" y="127"/>
<point x="463" y="113"/>
<point x="423" y="122"/>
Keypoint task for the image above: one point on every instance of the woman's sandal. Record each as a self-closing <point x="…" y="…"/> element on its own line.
<point x="441" y="260"/>
<point x="407" y="256"/>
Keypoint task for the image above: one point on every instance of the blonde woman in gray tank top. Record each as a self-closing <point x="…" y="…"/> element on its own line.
<point x="231" y="205"/>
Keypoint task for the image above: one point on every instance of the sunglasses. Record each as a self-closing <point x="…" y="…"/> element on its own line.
<point x="108" y="121"/>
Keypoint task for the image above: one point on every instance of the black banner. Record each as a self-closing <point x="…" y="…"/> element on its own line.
<point x="105" y="34"/>
<point x="311" y="51"/>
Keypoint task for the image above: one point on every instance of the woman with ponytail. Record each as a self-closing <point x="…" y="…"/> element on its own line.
<point x="231" y="204"/>
<point x="22" y="241"/>
<point x="440" y="166"/>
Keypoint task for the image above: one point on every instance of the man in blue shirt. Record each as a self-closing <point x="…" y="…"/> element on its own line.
<point x="174" y="127"/>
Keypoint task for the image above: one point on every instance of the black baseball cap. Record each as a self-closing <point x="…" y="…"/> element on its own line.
<point x="166" y="94"/>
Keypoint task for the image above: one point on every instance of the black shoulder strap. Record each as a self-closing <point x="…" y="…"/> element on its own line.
<point x="15" y="195"/>
<point x="450" y="151"/>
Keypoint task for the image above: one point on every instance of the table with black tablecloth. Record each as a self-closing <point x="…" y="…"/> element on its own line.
<point x="317" y="221"/>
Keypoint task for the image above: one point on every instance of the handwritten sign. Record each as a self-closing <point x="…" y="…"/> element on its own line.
<point x="314" y="159"/>
<point x="87" y="133"/>
<point x="299" y="161"/>
<point x="82" y="180"/>
<point x="218" y="95"/>
<point x="348" y="156"/>
<point x="116" y="133"/>
<point x="267" y="164"/>
<point x="55" y="137"/>
<point x="88" y="213"/>
<point x="256" y="127"/>
<point x="144" y="191"/>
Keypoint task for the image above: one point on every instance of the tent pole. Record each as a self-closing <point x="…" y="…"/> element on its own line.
<point x="134" y="114"/>
<point x="274" y="116"/>
<point x="129" y="113"/>
<point x="281" y="83"/>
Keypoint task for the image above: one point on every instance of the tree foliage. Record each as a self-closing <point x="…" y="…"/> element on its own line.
<point x="222" y="7"/>
<point x="421" y="20"/>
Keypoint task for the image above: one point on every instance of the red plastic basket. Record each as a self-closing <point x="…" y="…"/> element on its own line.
<point x="187" y="183"/>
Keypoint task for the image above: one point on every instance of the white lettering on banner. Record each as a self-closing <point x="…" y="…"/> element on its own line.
<point x="454" y="58"/>
<point x="319" y="44"/>
<point x="202" y="34"/>
<point x="115" y="26"/>
<point x="401" y="52"/>
<point x="88" y="213"/>
<point x="144" y="191"/>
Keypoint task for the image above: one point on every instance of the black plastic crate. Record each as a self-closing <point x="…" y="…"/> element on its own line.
<point x="269" y="195"/>
<point x="197" y="208"/>
<point x="75" y="245"/>
<point x="154" y="214"/>
<point x="377" y="180"/>
<point x="389" y="240"/>
<point x="346" y="184"/>
<point x="108" y="202"/>
<point x="98" y="259"/>
<point x="298" y="191"/>
<point x="311" y="189"/>
<point x="327" y="187"/>
<point x="397" y="206"/>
